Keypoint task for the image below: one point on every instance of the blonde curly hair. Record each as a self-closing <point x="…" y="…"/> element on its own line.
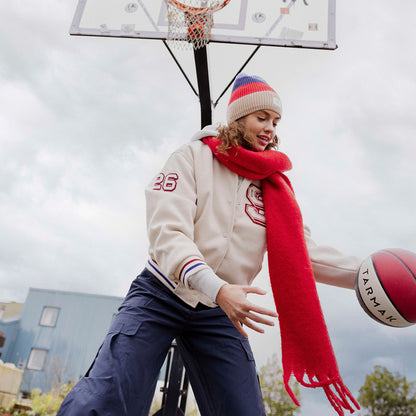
<point x="235" y="134"/>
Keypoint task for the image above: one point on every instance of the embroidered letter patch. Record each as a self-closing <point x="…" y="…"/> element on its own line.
<point x="255" y="209"/>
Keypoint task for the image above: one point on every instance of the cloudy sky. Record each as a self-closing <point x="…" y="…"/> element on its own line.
<point x="86" y="122"/>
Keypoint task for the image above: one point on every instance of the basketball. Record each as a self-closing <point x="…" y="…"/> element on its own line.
<point x="386" y="287"/>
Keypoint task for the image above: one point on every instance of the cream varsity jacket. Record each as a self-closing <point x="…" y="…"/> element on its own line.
<point x="200" y="215"/>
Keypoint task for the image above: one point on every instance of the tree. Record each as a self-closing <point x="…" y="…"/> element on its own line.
<point x="387" y="394"/>
<point x="275" y="398"/>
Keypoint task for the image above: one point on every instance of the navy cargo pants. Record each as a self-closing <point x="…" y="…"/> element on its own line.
<point x="123" y="376"/>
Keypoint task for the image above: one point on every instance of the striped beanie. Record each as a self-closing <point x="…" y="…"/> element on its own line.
<point x="251" y="93"/>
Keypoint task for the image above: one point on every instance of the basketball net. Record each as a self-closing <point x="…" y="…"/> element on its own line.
<point x="191" y="21"/>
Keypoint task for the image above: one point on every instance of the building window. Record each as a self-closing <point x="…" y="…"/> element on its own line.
<point x="36" y="359"/>
<point x="49" y="316"/>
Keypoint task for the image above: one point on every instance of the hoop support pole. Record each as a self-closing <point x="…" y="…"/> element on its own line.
<point x="180" y="68"/>
<point x="235" y="76"/>
<point x="201" y="66"/>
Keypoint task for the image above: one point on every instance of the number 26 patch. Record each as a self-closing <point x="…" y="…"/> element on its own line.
<point x="166" y="183"/>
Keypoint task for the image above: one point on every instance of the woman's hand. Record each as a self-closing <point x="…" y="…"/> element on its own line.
<point x="232" y="299"/>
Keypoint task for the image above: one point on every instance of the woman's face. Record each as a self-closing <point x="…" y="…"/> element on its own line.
<point x="262" y="125"/>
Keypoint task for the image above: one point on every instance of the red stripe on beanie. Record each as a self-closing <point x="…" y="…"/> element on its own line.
<point x="249" y="89"/>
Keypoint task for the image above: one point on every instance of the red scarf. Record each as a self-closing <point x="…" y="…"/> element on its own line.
<point x="306" y="348"/>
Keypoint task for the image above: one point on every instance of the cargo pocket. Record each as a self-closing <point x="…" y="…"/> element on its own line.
<point x="122" y="324"/>
<point x="126" y="324"/>
<point x="97" y="386"/>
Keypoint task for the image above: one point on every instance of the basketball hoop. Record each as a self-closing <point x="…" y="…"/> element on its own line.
<point x="191" y="21"/>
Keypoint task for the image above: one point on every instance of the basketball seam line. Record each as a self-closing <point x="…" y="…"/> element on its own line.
<point x="401" y="261"/>
<point x="385" y="291"/>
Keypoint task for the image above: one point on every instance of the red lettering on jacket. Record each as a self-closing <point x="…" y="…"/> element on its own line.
<point x="255" y="209"/>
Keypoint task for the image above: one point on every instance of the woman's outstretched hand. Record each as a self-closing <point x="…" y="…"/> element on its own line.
<point x="232" y="299"/>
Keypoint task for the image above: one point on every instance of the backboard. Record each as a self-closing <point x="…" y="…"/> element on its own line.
<point x="290" y="23"/>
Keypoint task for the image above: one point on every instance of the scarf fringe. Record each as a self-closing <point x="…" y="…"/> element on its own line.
<point x="335" y="390"/>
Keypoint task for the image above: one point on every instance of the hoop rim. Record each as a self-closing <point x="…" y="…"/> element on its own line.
<point x="196" y="10"/>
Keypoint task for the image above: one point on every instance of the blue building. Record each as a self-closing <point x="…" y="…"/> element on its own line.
<point x="57" y="335"/>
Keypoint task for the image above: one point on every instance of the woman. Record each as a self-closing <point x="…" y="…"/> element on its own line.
<point x="207" y="211"/>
